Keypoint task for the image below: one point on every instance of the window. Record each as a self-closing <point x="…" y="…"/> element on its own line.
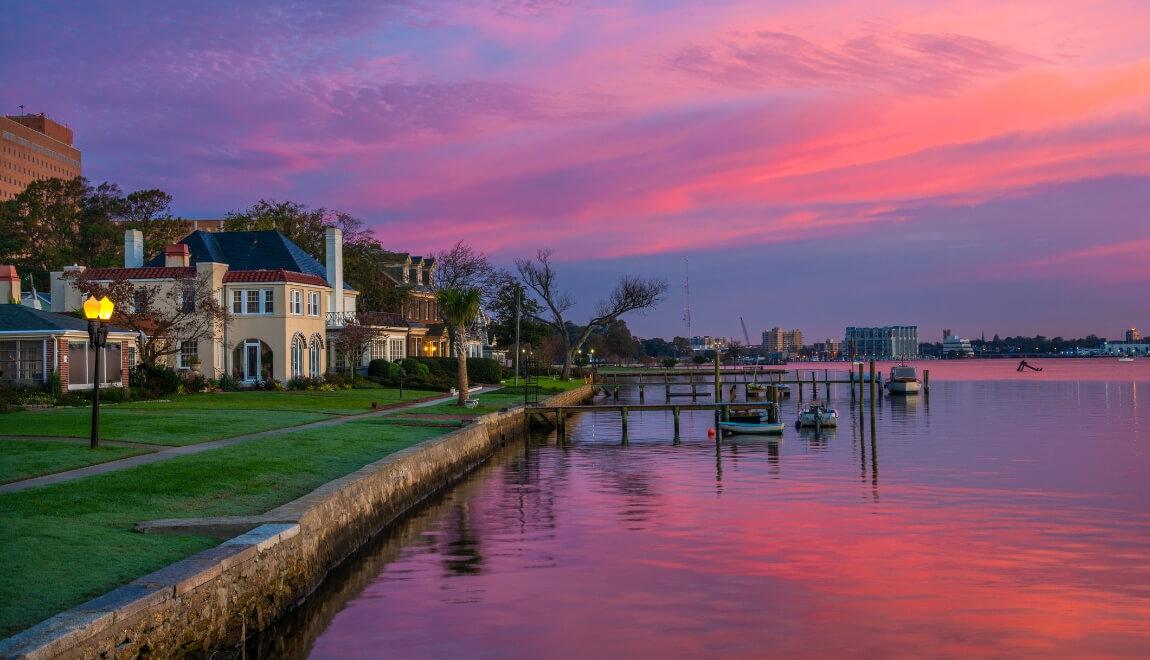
<point x="296" y="301"/>
<point x="189" y="354"/>
<point x="188" y="299"/>
<point x="252" y="301"/>
<point x="22" y="362"/>
<point x="313" y="357"/>
<point x="298" y="346"/>
<point x="82" y="364"/>
<point x="313" y="303"/>
<point x="379" y="349"/>
<point x="395" y="349"/>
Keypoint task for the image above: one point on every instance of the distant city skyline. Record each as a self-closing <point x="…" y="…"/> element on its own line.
<point x="977" y="166"/>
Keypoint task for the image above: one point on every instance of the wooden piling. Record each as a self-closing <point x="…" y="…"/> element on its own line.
<point x="862" y="391"/>
<point x="926" y="382"/>
<point x="623" y="416"/>
<point x="675" y="411"/>
<point x="872" y="377"/>
<point x="827" y="382"/>
<point x="718" y="379"/>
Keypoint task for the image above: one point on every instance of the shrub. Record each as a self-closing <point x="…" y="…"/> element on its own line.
<point x="337" y="380"/>
<point x="669" y="362"/>
<point x="299" y="383"/>
<point x="415" y="367"/>
<point x="228" y="383"/>
<point x="114" y="395"/>
<point x="365" y="384"/>
<point x="378" y="368"/>
<point x="156" y="380"/>
<point x="270" y="385"/>
<point x="479" y="370"/>
<point x="195" y="382"/>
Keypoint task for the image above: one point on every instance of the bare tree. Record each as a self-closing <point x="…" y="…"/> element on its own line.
<point x="163" y="314"/>
<point x="631" y="293"/>
<point x="354" y="339"/>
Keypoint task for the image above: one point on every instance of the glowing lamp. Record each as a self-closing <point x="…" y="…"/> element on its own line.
<point x="98" y="309"/>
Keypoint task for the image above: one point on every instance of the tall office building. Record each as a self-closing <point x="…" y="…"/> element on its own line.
<point x="34" y="147"/>
<point x="897" y="342"/>
<point x="1133" y="335"/>
<point x="782" y="342"/>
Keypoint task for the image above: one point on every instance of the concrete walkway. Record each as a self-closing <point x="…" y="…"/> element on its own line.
<point x="165" y="452"/>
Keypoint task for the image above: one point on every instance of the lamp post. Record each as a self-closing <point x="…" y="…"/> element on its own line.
<point x="97" y="312"/>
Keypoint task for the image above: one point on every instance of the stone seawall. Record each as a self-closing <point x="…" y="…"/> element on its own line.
<point x="214" y="599"/>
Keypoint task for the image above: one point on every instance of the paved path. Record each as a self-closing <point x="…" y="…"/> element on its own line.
<point x="165" y="452"/>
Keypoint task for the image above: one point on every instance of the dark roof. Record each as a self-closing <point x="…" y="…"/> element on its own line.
<point x="250" y="250"/>
<point x="273" y="276"/>
<point x="146" y="273"/>
<point x="14" y="318"/>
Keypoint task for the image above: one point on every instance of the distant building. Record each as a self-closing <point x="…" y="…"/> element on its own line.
<point x="1124" y="348"/>
<point x="1133" y="336"/>
<point x="955" y="346"/>
<point x="892" y="342"/>
<point x="784" y="343"/>
<point x="33" y="147"/>
<point x="826" y="350"/>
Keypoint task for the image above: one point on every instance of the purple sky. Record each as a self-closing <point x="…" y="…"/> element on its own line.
<point x="964" y="165"/>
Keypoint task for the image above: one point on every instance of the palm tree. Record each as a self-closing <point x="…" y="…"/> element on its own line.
<point x="459" y="308"/>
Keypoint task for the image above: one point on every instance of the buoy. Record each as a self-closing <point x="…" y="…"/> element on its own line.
<point x="710" y="433"/>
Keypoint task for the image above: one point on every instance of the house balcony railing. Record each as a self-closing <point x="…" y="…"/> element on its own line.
<point x="376" y="319"/>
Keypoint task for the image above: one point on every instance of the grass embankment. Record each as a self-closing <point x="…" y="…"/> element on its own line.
<point x="194" y="418"/>
<point x="451" y="415"/>
<point x="24" y="459"/>
<point x="64" y="544"/>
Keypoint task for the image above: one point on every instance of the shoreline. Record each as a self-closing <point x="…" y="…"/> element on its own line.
<point x="216" y="598"/>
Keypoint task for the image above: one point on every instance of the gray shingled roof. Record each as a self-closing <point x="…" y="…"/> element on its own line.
<point x="249" y="250"/>
<point x="16" y="318"/>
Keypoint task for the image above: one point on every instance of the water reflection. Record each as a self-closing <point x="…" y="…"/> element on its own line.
<point x="994" y="534"/>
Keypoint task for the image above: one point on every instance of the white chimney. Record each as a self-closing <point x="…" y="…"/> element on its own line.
<point x="334" y="266"/>
<point x="133" y="248"/>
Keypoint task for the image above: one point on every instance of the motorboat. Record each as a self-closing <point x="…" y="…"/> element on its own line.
<point x="903" y="380"/>
<point x="752" y="422"/>
<point x="817" y="415"/>
<point x="1126" y="359"/>
<point x="756" y="391"/>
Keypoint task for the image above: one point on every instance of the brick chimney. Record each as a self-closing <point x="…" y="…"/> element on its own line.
<point x="177" y="255"/>
<point x="133" y="248"/>
<point x="9" y="285"/>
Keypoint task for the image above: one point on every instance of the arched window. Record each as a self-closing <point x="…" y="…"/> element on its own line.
<point x="298" y="347"/>
<point x="314" y="355"/>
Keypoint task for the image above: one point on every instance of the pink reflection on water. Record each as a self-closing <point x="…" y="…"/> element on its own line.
<point x="960" y="530"/>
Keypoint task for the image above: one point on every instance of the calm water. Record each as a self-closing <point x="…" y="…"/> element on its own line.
<point x="1003" y="517"/>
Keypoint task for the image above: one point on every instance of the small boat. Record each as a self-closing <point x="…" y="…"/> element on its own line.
<point x="1126" y="359"/>
<point x="903" y="380"/>
<point x="817" y="415"/>
<point x="756" y="391"/>
<point x="784" y="389"/>
<point x="751" y="422"/>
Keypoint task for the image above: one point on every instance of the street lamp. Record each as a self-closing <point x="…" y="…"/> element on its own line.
<point x="97" y="312"/>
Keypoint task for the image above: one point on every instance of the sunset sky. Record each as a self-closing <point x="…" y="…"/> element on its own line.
<point x="969" y="165"/>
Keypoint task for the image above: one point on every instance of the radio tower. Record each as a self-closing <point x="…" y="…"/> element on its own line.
<point x="687" y="295"/>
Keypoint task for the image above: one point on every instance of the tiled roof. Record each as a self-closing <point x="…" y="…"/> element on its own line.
<point x="15" y="318"/>
<point x="145" y="273"/>
<point x="278" y="275"/>
<point x="250" y="250"/>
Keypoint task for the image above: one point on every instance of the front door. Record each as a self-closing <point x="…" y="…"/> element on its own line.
<point x="251" y="361"/>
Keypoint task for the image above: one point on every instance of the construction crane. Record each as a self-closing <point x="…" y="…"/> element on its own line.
<point x="746" y="336"/>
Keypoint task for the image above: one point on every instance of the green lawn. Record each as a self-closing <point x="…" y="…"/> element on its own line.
<point x="194" y="418"/>
<point x="64" y="544"/>
<point x="24" y="459"/>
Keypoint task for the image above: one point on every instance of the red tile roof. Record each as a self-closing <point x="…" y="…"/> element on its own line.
<point x="278" y="275"/>
<point x="145" y="273"/>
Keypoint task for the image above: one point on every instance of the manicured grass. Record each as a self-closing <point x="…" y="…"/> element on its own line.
<point x="62" y="545"/>
<point x="340" y="402"/>
<point x="193" y="418"/>
<point x="158" y="424"/>
<point x="24" y="459"/>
